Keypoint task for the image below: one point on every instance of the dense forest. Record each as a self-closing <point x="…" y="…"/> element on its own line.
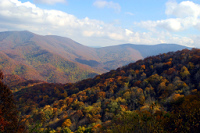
<point x="157" y="94"/>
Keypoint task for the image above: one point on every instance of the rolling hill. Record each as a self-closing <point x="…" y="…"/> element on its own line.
<point x="59" y="60"/>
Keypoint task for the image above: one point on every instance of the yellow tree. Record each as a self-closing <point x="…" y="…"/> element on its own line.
<point x="67" y="123"/>
<point x="184" y="72"/>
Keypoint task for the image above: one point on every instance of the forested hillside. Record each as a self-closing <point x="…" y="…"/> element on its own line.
<point x="46" y="58"/>
<point x="157" y="94"/>
<point x="54" y="59"/>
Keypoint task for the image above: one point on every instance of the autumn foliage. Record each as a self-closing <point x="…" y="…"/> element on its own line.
<point x="157" y="94"/>
<point x="9" y="120"/>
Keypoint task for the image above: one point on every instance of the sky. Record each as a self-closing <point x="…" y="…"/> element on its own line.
<point x="99" y="23"/>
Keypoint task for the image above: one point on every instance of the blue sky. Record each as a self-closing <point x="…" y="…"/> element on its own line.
<point x="106" y="22"/>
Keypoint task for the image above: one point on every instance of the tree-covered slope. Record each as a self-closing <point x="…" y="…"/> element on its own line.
<point x="35" y="57"/>
<point x="149" y="94"/>
<point x="55" y="59"/>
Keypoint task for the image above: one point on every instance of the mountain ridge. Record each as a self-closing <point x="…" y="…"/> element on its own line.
<point x="50" y="56"/>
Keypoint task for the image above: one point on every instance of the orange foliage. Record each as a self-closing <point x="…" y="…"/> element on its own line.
<point x="194" y="91"/>
<point x="137" y="83"/>
<point x="124" y="107"/>
<point x="111" y="79"/>
<point x="67" y="123"/>
<point x="84" y="98"/>
<point x="170" y="71"/>
<point x="101" y="95"/>
<point x="147" y="89"/>
<point x="96" y="128"/>
<point x="69" y="101"/>
<point x="195" y="58"/>
<point x="143" y="67"/>
<point x="139" y="91"/>
<point x="119" y="77"/>
<point x="175" y="97"/>
<point x="168" y="63"/>
<point x="137" y="71"/>
<point x="94" y="118"/>
<point x="122" y="72"/>
<point x="79" y="113"/>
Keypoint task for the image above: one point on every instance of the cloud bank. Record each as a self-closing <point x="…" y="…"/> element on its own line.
<point x="15" y="15"/>
<point x="184" y="15"/>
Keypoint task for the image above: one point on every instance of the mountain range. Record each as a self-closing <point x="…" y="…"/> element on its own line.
<point x="28" y="56"/>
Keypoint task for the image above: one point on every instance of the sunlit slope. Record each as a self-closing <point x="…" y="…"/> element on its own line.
<point x="58" y="59"/>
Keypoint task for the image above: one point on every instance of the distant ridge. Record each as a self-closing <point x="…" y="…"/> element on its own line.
<point x="149" y="50"/>
<point x="58" y="59"/>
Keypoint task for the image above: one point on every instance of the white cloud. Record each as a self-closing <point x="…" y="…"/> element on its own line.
<point x="183" y="9"/>
<point x="129" y="13"/>
<point x="186" y="15"/>
<point x="170" y="24"/>
<point x="15" y="15"/>
<point x="50" y="2"/>
<point x="196" y="39"/>
<point x="110" y="4"/>
<point x="128" y="32"/>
